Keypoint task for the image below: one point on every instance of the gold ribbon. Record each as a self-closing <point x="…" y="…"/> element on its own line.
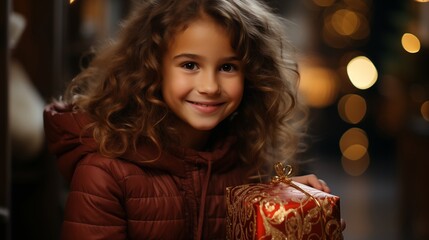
<point x="283" y="173"/>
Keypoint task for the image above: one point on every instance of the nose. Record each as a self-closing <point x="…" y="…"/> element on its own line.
<point x="208" y="83"/>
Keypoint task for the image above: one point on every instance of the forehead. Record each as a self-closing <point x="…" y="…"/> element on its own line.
<point x="202" y="19"/>
<point x="201" y="33"/>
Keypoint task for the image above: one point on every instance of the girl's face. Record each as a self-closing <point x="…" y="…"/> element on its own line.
<point x="202" y="76"/>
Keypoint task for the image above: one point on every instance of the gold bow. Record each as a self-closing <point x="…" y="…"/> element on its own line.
<point x="283" y="173"/>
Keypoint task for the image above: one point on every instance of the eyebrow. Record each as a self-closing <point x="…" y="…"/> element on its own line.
<point x="198" y="57"/>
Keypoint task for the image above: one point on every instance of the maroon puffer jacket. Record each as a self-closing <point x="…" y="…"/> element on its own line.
<point x="179" y="196"/>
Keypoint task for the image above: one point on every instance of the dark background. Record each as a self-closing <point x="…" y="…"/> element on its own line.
<point x="385" y="199"/>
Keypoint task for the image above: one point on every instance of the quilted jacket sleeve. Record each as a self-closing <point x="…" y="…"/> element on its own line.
<point x="94" y="208"/>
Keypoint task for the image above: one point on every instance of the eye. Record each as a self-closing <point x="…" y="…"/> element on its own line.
<point x="190" y="66"/>
<point x="228" y="67"/>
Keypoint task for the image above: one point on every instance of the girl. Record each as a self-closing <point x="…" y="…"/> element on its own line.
<point x="194" y="96"/>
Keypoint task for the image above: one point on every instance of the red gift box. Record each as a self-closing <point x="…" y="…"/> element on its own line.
<point x="282" y="209"/>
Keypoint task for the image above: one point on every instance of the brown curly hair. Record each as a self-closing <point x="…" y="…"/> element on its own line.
<point x="121" y="88"/>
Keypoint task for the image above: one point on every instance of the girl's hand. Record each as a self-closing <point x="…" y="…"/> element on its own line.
<point x="312" y="181"/>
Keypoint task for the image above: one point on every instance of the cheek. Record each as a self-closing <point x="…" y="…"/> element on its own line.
<point x="235" y="90"/>
<point x="174" y="86"/>
<point x="177" y="86"/>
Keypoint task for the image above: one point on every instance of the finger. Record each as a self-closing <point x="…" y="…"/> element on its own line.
<point x="318" y="183"/>
<point x="314" y="182"/>
<point x="310" y="180"/>
<point x="325" y="186"/>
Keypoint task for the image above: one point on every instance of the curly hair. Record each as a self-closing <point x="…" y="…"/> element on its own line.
<point x="121" y="88"/>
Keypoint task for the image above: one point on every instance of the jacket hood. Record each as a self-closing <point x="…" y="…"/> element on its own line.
<point x="70" y="141"/>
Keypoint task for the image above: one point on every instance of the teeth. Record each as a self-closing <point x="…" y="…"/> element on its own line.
<point x="200" y="104"/>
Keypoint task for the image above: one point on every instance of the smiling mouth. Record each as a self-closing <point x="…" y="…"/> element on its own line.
<point x="206" y="104"/>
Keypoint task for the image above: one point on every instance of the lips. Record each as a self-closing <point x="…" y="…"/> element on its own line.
<point x="205" y="104"/>
<point x="205" y="107"/>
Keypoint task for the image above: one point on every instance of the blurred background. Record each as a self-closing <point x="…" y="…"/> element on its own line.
<point x="364" y="69"/>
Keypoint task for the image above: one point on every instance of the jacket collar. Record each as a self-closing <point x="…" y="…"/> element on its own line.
<point x="68" y="140"/>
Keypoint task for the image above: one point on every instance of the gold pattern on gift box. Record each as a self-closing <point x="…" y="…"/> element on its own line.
<point x="270" y="209"/>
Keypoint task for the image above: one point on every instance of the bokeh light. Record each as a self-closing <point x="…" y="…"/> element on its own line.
<point x="352" y="108"/>
<point x="354" y="148"/>
<point x="410" y="43"/>
<point x="362" y="32"/>
<point x="345" y="22"/>
<point x="355" y="167"/>
<point x="424" y="109"/>
<point x="332" y="39"/>
<point x="362" y="72"/>
<point x="355" y="152"/>
<point x="345" y="26"/>
<point x="318" y="86"/>
<point x="352" y="137"/>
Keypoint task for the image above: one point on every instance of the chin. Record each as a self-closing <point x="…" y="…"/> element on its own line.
<point x="203" y="128"/>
